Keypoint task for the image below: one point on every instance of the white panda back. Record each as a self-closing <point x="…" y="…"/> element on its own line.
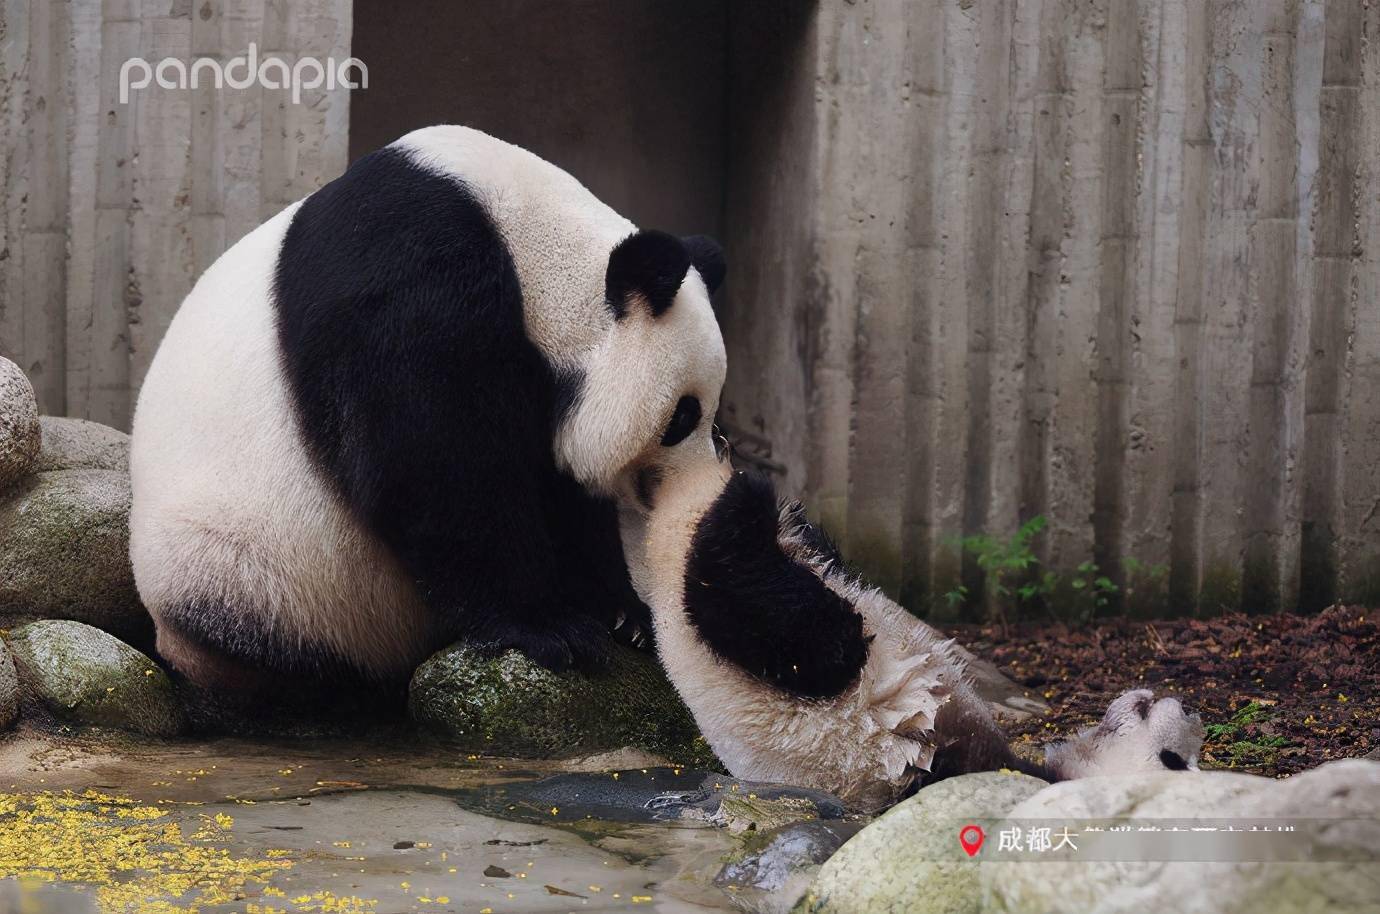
<point x="559" y="234"/>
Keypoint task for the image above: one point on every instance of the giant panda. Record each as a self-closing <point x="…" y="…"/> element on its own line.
<point x="399" y="413"/>
<point x="453" y="396"/>
<point x="797" y="671"/>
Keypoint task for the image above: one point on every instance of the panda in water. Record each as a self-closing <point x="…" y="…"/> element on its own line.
<point x="451" y="395"/>
<point x="799" y="672"/>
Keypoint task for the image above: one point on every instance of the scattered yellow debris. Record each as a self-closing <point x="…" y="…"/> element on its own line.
<point x="128" y="853"/>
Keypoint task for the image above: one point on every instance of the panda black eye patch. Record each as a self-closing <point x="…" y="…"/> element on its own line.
<point x="683" y="421"/>
<point x="1172" y="760"/>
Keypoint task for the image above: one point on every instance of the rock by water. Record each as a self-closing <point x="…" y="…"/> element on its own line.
<point x="1335" y="810"/>
<point x="9" y="689"/>
<point x="909" y="859"/>
<point x="19" y="429"/>
<point x="83" y="675"/>
<point x="508" y="705"/>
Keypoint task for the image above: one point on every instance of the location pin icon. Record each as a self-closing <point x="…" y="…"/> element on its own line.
<point x="970" y="836"/>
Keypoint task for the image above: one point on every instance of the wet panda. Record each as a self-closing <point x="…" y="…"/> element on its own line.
<point x="399" y="413"/>
<point x="799" y="672"/>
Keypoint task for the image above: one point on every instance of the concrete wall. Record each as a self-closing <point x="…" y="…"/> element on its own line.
<point x="1115" y="263"/>
<point x="627" y="95"/>
<point x="110" y="210"/>
<point x="1112" y="262"/>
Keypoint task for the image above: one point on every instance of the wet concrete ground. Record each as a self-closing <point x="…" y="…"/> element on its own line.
<point x="262" y="828"/>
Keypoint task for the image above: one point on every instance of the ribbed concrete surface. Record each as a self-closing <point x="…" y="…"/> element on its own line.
<point x="1114" y="263"/>
<point x="111" y="211"/>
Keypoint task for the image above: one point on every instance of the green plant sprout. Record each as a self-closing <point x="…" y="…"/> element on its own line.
<point x="1240" y="747"/>
<point x="1014" y="580"/>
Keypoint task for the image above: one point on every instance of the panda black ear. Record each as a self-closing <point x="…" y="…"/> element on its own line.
<point x="707" y="257"/>
<point x="649" y="263"/>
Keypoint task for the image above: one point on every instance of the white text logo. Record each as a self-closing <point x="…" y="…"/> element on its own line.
<point x="242" y="72"/>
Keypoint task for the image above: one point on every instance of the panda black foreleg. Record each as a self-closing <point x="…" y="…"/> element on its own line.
<point x="456" y="487"/>
<point x="592" y="567"/>
<point x="485" y="559"/>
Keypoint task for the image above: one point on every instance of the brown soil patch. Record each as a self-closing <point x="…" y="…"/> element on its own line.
<point x="1279" y="693"/>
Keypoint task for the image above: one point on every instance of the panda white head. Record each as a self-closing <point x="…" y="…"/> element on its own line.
<point x="651" y="385"/>
<point x="1137" y="733"/>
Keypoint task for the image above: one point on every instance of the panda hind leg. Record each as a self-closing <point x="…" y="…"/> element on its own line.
<point x="970" y="741"/>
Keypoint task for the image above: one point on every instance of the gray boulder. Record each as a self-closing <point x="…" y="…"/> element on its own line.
<point x="64" y="552"/>
<point x="772" y="871"/>
<point x="9" y="689"/>
<point x="76" y="444"/>
<point x="83" y="675"/>
<point x="1327" y="864"/>
<point x="508" y="705"/>
<point x="19" y="429"/>
<point x="910" y="859"/>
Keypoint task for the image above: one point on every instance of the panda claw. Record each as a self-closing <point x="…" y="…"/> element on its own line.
<point x="627" y="626"/>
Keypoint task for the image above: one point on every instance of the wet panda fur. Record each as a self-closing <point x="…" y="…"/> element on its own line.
<point x="400" y="413"/>
<point x="799" y="672"/>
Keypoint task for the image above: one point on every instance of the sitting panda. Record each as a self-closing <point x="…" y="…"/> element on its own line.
<point x="453" y="396"/>
<point x="399" y="412"/>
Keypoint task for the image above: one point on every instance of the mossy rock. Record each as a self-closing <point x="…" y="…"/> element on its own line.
<point x="507" y="705"/>
<point x="83" y="675"/>
<point x="19" y="430"/>
<point x="9" y="689"/>
<point x="64" y="552"/>
<point x="910" y="858"/>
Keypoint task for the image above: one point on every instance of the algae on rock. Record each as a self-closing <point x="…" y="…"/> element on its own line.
<point x="84" y="675"/>
<point x="509" y="705"/>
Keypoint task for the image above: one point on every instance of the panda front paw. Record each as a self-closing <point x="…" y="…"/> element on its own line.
<point x="633" y="627"/>
<point x="1137" y="734"/>
<point x="577" y="642"/>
